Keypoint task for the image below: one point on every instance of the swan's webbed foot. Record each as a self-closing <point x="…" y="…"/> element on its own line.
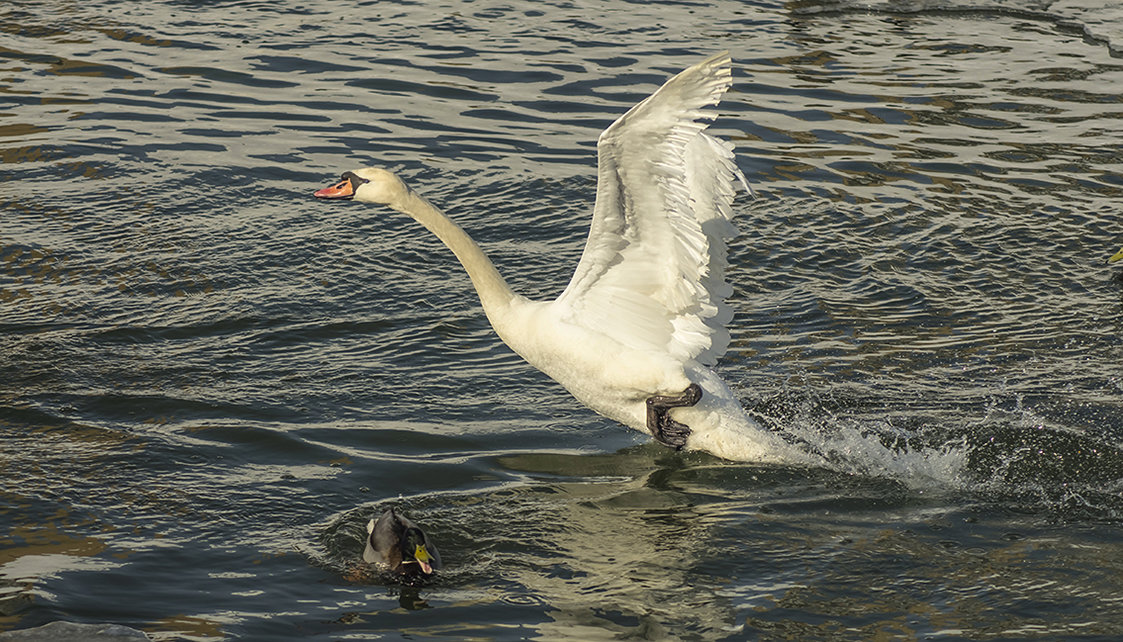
<point x="672" y="433"/>
<point x="667" y="431"/>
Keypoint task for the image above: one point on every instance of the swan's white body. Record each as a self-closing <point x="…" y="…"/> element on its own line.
<point x="644" y="313"/>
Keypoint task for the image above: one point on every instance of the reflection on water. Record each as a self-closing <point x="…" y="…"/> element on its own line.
<point x="647" y="544"/>
<point x="208" y="383"/>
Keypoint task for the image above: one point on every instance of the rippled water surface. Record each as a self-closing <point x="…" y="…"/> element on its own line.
<point x="209" y="380"/>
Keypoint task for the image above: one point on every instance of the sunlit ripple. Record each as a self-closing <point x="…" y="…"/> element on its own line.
<point x="210" y="381"/>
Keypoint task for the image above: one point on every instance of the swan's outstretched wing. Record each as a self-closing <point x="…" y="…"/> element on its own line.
<point x="653" y="272"/>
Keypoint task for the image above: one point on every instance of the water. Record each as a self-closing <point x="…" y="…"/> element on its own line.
<point x="209" y="381"/>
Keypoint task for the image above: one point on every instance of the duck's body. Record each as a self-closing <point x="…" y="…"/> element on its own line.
<point x="400" y="546"/>
<point x="635" y="331"/>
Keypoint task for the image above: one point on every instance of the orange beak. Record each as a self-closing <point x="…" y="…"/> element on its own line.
<point x="342" y="189"/>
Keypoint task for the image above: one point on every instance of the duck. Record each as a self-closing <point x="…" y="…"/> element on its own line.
<point x="636" y="332"/>
<point x="395" y="542"/>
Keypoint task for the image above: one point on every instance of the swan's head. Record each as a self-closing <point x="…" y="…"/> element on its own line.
<point x="369" y="185"/>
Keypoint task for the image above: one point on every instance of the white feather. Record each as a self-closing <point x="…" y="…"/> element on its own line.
<point x="657" y="239"/>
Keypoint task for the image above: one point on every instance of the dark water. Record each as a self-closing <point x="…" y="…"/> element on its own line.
<point x="209" y="381"/>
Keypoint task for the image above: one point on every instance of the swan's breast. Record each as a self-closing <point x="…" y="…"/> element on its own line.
<point x="611" y="378"/>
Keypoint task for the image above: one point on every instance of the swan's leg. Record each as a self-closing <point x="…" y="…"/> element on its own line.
<point x="667" y="431"/>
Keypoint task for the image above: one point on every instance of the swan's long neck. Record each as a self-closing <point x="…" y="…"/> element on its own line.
<point x="495" y="295"/>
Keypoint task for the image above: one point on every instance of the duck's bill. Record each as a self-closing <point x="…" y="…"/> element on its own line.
<point x="342" y="189"/>
<point x="425" y="567"/>
<point x="1118" y="257"/>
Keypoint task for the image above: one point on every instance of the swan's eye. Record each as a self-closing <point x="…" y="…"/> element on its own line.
<point x="355" y="179"/>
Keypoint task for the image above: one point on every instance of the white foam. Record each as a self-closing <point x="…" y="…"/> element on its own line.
<point x="851" y="447"/>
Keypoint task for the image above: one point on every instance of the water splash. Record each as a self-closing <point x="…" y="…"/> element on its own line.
<point x="1006" y="453"/>
<point x="864" y="446"/>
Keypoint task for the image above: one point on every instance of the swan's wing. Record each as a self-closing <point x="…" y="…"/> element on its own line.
<point x="652" y="275"/>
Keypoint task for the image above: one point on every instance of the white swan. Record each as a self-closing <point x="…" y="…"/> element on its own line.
<point x="644" y="316"/>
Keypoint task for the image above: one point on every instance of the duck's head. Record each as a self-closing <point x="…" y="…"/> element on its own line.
<point x="369" y="185"/>
<point x="415" y="551"/>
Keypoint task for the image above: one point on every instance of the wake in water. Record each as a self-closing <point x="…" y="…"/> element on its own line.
<point x="1028" y="461"/>
<point x="873" y="447"/>
<point x="1006" y="454"/>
